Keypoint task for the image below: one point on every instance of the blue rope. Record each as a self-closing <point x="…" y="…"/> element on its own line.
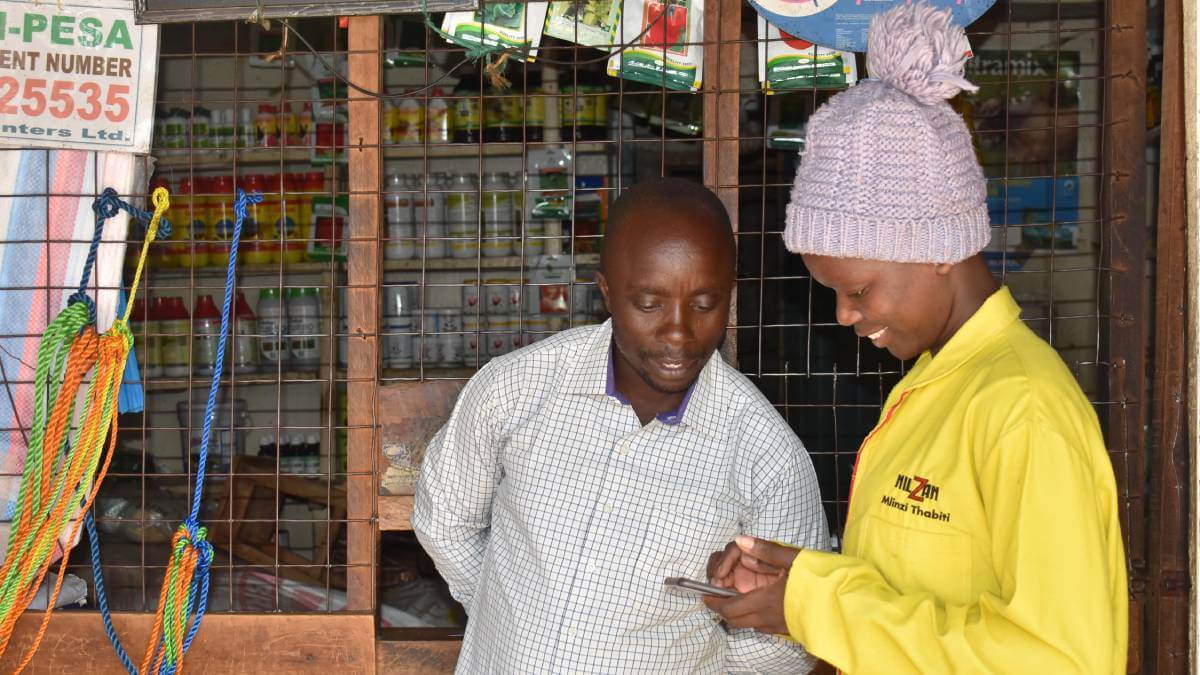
<point x="107" y="205"/>
<point x="89" y="521"/>
<point x="197" y="599"/>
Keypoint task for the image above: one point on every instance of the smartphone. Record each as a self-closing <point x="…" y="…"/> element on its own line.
<point x="699" y="588"/>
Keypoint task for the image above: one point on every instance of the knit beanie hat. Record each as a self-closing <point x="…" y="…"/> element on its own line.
<point x="888" y="171"/>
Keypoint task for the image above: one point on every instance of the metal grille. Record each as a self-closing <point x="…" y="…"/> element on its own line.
<point x="275" y="502"/>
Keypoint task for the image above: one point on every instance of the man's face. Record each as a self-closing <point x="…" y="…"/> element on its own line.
<point x="901" y="307"/>
<point x="669" y="299"/>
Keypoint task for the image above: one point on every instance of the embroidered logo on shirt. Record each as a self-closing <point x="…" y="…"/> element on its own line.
<point x="916" y="489"/>
<point x="919" y="489"/>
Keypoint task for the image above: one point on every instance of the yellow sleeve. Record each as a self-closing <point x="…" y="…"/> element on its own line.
<point x="1058" y="557"/>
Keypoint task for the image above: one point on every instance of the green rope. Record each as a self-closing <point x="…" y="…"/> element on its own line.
<point x="53" y="351"/>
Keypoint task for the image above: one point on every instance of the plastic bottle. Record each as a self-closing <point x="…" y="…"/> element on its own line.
<point x="180" y="215"/>
<point x="437" y="118"/>
<point x="173" y="321"/>
<point x="202" y="128"/>
<point x="304" y="328"/>
<point x="462" y="214"/>
<point x="206" y="328"/>
<point x="398" y="342"/>
<point x="267" y="447"/>
<point x="429" y="214"/>
<point x="398" y="211"/>
<point x="266" y="126"/>
<point x="272" y="320"/>
<point x="289" y="127"/>
<point x="534" y="109"/>
<point x="312" y="454"/>
<point x="247" y="131"/>
<point x="257" y="246"/>
<point x="142" y="328"/>
<point x="465" y="116"/>
<point x="411" y="121"/>
<point x="296" y="443"/>
<point x="244" y="345"/>
<point x="220" y="221"/>
<point x="175" y="132"/>
<point x="497" y="216"/>
<point x="287" y="222"/>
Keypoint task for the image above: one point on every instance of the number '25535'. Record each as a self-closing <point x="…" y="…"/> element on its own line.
<point x="64" y="98"/>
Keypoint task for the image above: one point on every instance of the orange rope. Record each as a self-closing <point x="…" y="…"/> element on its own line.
<point x="113" y="351"/>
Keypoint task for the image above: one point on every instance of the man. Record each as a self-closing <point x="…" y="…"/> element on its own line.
<point x="576" y="474"/>
<point x="982" y="533"/>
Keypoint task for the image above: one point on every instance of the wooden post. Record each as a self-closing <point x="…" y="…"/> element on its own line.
<point x="1167" y="610"/>
<point x="722" y="106"/>
<point x="1123" y="294"/>
<point x="364" y="265"/>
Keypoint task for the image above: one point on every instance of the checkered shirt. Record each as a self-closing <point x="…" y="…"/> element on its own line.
<point x="555" y="515"/>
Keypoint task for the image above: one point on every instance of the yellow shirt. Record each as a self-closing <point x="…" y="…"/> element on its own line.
<point x="982" y="533"/>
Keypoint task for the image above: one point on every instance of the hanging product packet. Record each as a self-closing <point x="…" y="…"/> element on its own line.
<point x="591" y="23"/>
<point x="664" y="38"/>
<point x="499" y="24"/>
<point x="787" y="62"/>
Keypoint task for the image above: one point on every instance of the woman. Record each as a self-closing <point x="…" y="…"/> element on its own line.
<point x="982" y="533"/>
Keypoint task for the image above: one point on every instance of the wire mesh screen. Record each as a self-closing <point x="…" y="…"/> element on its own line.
<point x="229" y="116"/>
<point x="1036" y="123"/>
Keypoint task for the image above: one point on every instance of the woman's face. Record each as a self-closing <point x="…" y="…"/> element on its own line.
<point x="901" y="307"/>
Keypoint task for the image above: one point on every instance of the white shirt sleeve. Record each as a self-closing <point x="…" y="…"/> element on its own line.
<point x="785" y="506"/>
<point x="459" y="474"/>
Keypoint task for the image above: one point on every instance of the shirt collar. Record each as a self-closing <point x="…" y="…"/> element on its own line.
<point x="589" y="376"/>
<point x="996" y="314"/>
<point x="670" y="417"/>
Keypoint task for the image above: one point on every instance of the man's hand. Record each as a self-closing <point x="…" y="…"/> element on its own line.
<point x="759" y="571"/>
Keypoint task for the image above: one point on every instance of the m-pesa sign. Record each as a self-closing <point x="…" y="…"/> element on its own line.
<point x="76" y="76"/>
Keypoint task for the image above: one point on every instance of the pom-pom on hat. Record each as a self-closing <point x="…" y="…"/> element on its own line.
<point x="888" y="171"/>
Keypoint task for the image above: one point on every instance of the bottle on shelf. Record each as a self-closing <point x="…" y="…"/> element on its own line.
<point x="287" y="221"/>
<point x="296" y="448"/>
<point x="311" y="184"/>
<point x="174" y="323"/>
<point x="267" y="447"/>
<point x="201" y="128"/>
<point x="437" y="118"/>
<point x="256" y="245"/>
<point x="266" y="126"/>
<point x="244" y="343"/>
<point x="497" y="216"/>
<point x="534" y="108"/>
<point x="465" y="115"/>
<point x="312" y="454"/>
<point x="143" y="329"/>
<point x="584" y="108"/>
<point x="304" y="328"/>
<point x="410" y="118"/>
<point x="221" y="220"/>
<point x="398" y="213"/>
<point x="429" y="213"/>
<point x="462" y="215"/>
<point x="272" y="320"/>
<point x="287" y="454"/>
<point x="206" y="328"/>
